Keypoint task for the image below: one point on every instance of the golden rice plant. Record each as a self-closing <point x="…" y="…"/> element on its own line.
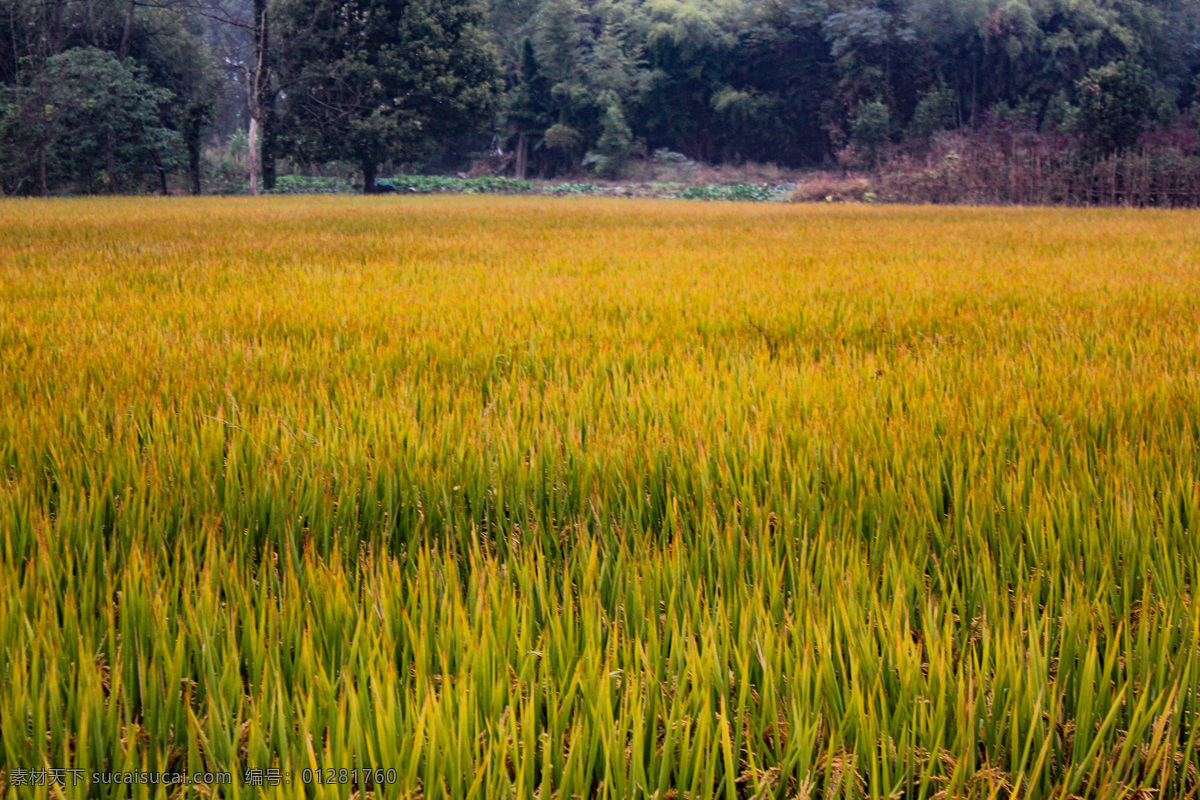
<point x="477" y="498"/>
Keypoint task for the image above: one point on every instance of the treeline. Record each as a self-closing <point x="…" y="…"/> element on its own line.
<point x="131" y="95"/>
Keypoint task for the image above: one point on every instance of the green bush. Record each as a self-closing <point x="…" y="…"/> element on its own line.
<point x="871" y="128"/>
<point x="1115" y="103"/>
<point x="936" y="111"/>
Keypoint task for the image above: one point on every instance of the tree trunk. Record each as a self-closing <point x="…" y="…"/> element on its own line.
<point x="192" y="140"/>
<point x="522" y="156"/>
<point x="264" y="96"/>
<point x="368" y="169"/>
<point x="974" y="89"/>
<point x="41" y="160"/>
<point x="267" y="112"/>
<point x="194" y="169"/>
<point x="123" y="49"/>
<point x="110" y="158"/>
<point x="56" y="32"/>
<point x="253" y="154"/>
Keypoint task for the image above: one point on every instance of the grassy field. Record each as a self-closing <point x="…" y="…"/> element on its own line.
<point x="617" y="499"/>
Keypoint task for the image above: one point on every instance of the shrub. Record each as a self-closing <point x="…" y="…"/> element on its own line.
<point x="936" y="111"/>
<point x="871" y="127"/>
<point x="1115" y="104"/>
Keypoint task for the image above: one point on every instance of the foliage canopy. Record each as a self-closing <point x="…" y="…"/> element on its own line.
<point x="370" y="80"/>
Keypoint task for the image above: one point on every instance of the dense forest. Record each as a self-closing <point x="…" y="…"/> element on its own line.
<point x="207" y="95"/>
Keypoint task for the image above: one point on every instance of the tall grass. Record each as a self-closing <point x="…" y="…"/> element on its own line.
<point x="537" y="498"/>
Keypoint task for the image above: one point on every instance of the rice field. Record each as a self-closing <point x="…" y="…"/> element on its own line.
<point x="453" y="497"/>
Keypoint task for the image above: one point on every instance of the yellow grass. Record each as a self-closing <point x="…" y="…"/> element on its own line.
<point x="555" y="498"/>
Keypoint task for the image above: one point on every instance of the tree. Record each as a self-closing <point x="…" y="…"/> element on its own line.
<point x="240" y="38"/>
<point x="178" y="58"/>
<point x="372" y="80"/>
<point x="559" y="38"/>
<point x="260" y="97"/>
<point x="509" y="23"/>
<point x="612" y="148"/>
<point x="88" y="120"/>
<point x="936" y="111"/>
<point x="1114" y="105"/>
<point x="870" y="128"/>
<point x="530" y="106"/>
